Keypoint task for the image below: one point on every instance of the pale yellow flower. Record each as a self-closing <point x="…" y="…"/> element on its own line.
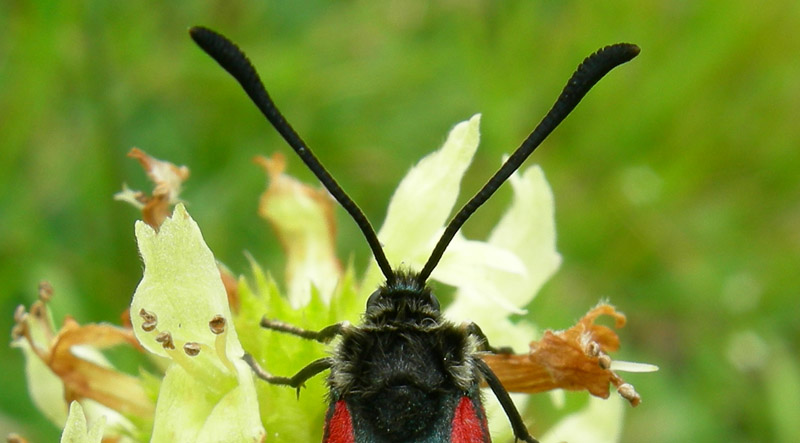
<point x="180" y="312"/>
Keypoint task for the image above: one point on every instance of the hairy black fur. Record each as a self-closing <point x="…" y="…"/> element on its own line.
<point x="404" y="364"/>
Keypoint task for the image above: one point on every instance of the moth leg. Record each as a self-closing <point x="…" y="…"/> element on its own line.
<point x="324" y="335"/>
<point x="296" y="381"/>
<point x="520" y="430"/>
<point x="475" y="330"/>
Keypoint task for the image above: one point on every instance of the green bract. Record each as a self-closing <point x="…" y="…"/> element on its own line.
<point x="76" y="429"/>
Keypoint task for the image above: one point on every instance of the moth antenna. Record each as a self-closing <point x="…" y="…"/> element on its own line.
<point x="593" y="68"/>
<point x="233" y="60"/>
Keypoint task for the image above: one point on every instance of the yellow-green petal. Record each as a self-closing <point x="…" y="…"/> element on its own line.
<point x="45" y="388"/>
<point x="76" y="429"/>
<point x="526" y="230"/>
<point x="183" y="405"/>
<point x="188" y="410"/>
<point x="303" y="219"/>
<point x="236" y="415"/>
<point x="472" y="266"/>
<point x="181" y="286"/>
<point x="424" y="200"/>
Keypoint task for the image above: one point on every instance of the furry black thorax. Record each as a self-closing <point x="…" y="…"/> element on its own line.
<point x="404" y="351"/>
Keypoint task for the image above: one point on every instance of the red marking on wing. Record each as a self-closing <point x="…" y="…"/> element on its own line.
<point x="468" y="427"/>
<point x="339" y="428"/>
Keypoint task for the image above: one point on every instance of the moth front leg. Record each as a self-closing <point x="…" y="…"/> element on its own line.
<point x="324" y="335"/>
<point x="296" y="381"/>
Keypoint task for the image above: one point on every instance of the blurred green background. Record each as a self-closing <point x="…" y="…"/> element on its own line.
<point x="676" y="181"/>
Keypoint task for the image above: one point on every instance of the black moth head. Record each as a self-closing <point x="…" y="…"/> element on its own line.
<point x="406" y="300"/>
<point x="408" y="292"/>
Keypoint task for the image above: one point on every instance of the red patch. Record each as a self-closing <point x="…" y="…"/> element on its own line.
<point x="467" y="426"/>
<point x="339" y="428"/>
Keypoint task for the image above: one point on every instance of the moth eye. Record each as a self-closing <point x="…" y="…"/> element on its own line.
<point x="428" y="322"/>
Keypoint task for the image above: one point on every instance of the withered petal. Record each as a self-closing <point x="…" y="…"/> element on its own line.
<point x="563" y="359"/>
<point x="303" y="219"/>
<point x="85" y="379"/>
<point x="167" y="178"/>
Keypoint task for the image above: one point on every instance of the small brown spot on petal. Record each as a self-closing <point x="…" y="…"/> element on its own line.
<point x="191" y="349"/>
<point x="150" y="320"/>
<point x="165" y="338"/>
<point x="217" y="324"/>
<point x="147" y="315"/>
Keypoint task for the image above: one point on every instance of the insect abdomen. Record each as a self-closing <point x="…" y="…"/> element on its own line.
<point x="460" y="419"/>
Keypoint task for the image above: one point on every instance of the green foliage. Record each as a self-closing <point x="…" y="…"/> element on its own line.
<point x="289" y="415"/>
